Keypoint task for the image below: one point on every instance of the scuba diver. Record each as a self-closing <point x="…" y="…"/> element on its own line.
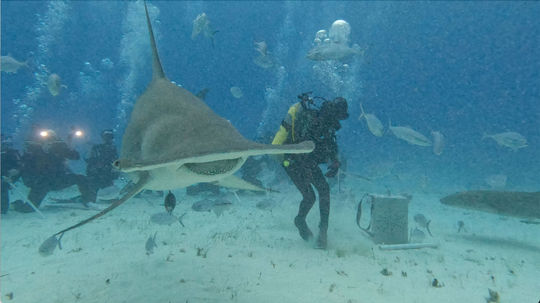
<point x="99" y="169"/>
<point x="304" y="122"/>
<point x="44" y="168"/>
<point x="10" y="166"/>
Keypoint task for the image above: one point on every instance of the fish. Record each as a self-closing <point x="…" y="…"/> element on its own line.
<point x="332" y="51"/>
<point x="261" y="47"/>
<point x="108" y="193"/>
<point x="264" y="61"/>
<point x="211" y="149"/>
<point x="525" y="205"/>
<point x="170" y="202"/>
<point x="54" y="84"/>
<point x="150" y="244"/>
<point x="201" y="24"/>
<point x="408" y="134"/>
<point x="438" y="142"/>
<point x="48" y="246"/>
<point x="164" y="218"/>
<point x="512" y="140"/>
<point x="202" y="93"/>
<point x="220" y="206"/>
<point x="236" y="92"/>
<point x="497" y="181"/>
<point x="421" y="220"/>
<point x="217" y="206"/>
<point x="374" y="124"/>
<point x="266" y="204"/>
<point x="203" y="205"/>
<point x="416" y="236"/>
<point x="9" y="64"/>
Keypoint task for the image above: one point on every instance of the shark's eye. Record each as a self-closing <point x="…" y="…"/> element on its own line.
<point x="214" y="167"/>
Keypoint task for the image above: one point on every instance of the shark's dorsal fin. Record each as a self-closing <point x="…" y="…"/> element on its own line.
<point x="157" y="69"/>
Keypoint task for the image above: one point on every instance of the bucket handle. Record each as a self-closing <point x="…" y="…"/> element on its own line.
<point x="359" y="214"/>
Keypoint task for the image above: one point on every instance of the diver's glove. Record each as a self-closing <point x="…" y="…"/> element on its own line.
<point x="333" y="169"/>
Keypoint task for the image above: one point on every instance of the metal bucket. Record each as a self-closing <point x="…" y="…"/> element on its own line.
<point x="389" y="218"/>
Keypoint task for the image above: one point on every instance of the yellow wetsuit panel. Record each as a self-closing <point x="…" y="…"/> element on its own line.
<point x="280" y="136"/>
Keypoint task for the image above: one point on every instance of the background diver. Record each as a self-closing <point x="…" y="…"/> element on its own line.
<point x="44" y="168"/>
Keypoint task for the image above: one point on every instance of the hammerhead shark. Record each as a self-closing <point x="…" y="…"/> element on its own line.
<point x="174" y="140"/>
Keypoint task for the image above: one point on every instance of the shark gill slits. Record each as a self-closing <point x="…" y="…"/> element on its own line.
<point x="213" y="167"/>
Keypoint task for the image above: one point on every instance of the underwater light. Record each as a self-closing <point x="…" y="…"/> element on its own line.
<point x="79" y="133"/>
<point x="43" y="134"/>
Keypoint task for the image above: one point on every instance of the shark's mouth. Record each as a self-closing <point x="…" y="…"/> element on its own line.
<point x="212" y="168"/>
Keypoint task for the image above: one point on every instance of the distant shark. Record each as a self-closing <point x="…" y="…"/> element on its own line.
<point x="506" y="203"/>
<point x="174" y="140"/>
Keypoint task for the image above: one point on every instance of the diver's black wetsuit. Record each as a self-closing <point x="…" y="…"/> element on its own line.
<point x="99" y="169"/>
<point x="10" y="161"/>
<point x="319" y="126"/>
<point x="44" y="169"/>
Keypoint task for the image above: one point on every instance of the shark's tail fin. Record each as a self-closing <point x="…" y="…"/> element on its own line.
<point x="134" y="190"/>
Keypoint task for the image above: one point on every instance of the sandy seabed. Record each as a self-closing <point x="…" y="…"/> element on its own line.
<point x="252" y="255"/>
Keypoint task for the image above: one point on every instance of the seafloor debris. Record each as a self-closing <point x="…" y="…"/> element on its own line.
<point x="436" y="283"/>
<point x="493" y="297"/>
<point x="9" y="295"/>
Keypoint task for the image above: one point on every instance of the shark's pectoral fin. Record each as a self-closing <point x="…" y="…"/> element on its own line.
<point x="235" y="182"/>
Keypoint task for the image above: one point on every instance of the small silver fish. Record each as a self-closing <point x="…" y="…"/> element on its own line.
<point x="264" y="61"/>
<point x="438" y="142"/>
<point x="266" y="204"/>
<point x="54" y="84"/>
<point x="422" y="222"/>
<point x="9" y="64"/>
<point x="410" y="135"/>
<point x="203" y="205"/>
<point x="236" y="92"/>
<point x="374" y="124"/>
<point x="201" y="24"/>
<point x="511" y="140"/>
<point x="221" y="206"/>
<point x="416" y="236"/>
<point x="261" y="47"/>
<point x="150" y="244"/>
<point x="48" y="246"/>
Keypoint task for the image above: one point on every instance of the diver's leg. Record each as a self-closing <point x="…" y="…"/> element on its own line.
<point x="324" y="205"/>
<point x="69" y="179"/>
<point x="37" y="194"/>
<point x="87" y="193"/>
<point x="301" y="181"/>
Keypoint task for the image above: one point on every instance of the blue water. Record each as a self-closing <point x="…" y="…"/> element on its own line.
<point x="463" y="69"/>
<point x="460" y="68"/>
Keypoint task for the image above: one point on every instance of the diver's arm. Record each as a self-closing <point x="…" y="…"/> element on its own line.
<point x="333" y="163"/>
